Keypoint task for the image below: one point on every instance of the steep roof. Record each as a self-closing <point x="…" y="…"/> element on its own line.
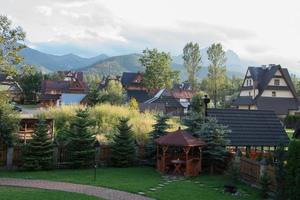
<point x="139" y="95"/>
<point x="251" y="127"/>
<point x="179" y="138"/>
<point x="128" y="78"/>
<point x="264" y="75"/>
<point x="62" y="86"/>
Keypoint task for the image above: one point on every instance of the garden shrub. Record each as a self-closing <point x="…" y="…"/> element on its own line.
<point x="293" y="171"/>
<point x="291" y="120"/>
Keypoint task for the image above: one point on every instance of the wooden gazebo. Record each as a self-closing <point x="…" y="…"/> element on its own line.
<point x="179" y="153"/>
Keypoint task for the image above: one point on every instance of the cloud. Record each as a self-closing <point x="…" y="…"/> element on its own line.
<point x="44" y="10"/>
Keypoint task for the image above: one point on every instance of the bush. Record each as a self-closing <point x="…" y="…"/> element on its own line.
<point x="291" y="120"/>
<point x="293" y="171"/>
<point x="106" y="117"/>
<point x="265" y="185"/>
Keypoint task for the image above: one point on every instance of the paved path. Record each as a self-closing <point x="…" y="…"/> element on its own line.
<point x="101" y="192"/>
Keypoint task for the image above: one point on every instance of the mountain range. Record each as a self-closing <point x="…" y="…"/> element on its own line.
<point x="103" y="64"/>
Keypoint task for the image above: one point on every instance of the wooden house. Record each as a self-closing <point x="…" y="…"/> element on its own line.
<point x="268" y="88"/>
<point x="52" y="90"/>
<point x="132" y="83"/>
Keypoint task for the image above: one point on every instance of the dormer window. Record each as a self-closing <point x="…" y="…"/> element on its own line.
<point x="277" y="82"/>
<point x="273" y="94"/>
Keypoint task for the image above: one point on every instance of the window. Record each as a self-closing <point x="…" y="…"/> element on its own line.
<point x="276" y="82"/>
<point x="249" y="93"/>
<point x="273" y="94"/>
<point x="250" y="82"/>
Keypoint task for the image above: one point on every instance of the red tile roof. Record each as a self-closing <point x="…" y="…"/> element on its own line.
<point x="179" y="138"/>
<point x="182" y="94"/>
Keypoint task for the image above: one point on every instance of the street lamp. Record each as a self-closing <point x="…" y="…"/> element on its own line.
<point x="206" y="101"/>
<point x="97" y="151"/>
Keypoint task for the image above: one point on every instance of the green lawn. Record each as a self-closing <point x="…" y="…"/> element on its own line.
<point x="16" y="193"/>
<point x="204" y="187"/>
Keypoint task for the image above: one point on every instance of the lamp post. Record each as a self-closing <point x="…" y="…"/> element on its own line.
<point x="97" y="151"/>
<point x="206" y="101"/>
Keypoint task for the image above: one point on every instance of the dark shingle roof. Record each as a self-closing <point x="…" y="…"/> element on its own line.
<point x="264" y="76"/>
<point x="251" y="127"/>
<point x="169" y="101"/>
<point x="243" y="100"/>
<point x="127" y="78"/>
<point x="139" y="95"/>
<point x="280" y="106"/>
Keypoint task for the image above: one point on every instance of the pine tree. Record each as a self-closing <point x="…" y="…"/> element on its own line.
<point x="213" y="134"/>
<point x="160" y="129"/>
<point x="161" y="126"/>
<point x="39" y="151"/>
<point x="123" y="149"/>
<point x="81" y="140"/>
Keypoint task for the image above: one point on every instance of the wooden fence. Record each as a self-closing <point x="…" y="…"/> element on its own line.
<point x="251" y="172"/>
<point x="62" y="156"/>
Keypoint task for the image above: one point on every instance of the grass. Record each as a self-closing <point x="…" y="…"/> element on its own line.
<point x="290" y="132"/>
<point x="15" y="193"/>
<point x="141" y="179"/>
<point x="29" y="106"/>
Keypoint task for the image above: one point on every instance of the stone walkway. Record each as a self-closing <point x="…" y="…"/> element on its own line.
<point x="101" y="192"/>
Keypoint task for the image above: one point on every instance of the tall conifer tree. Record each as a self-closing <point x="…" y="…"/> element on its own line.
<point x="81" y="140"/>
<point x="123" y="149"/>
<point x="39" y="151"/>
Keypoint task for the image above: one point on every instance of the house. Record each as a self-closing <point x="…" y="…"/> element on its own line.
<point x="176" y="101"/>
<point x="71" y="75"/>
<point x="53" y="90"/>
<point x="132" y="83"/>
<point x="251" y="128"/>
<point x="268" y="88"/>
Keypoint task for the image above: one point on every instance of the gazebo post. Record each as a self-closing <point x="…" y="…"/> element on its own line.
<point x="165" y="148"/>
<point x="200" y="156"/>
<point x="186" y="151"/>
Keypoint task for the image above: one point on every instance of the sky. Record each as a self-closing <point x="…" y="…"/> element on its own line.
<point x="264" y="31"/>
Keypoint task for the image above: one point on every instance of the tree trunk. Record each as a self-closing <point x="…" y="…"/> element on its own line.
<point x="9" y="157"/>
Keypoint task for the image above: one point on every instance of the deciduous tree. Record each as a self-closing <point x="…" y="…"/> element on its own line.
<point x="216" y="72"/>
<point x="192" y="61"/>
<point x="158" y="71"/>
<point x="10" y="44"/>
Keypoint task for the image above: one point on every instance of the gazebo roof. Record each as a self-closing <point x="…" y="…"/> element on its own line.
<point x="179" y="138"/>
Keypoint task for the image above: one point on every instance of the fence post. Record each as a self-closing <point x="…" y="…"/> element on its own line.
<point x="263" y="166"/>
<point x="55" y="155"/>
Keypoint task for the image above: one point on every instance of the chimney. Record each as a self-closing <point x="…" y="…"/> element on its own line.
<point x="264" y="67"/>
